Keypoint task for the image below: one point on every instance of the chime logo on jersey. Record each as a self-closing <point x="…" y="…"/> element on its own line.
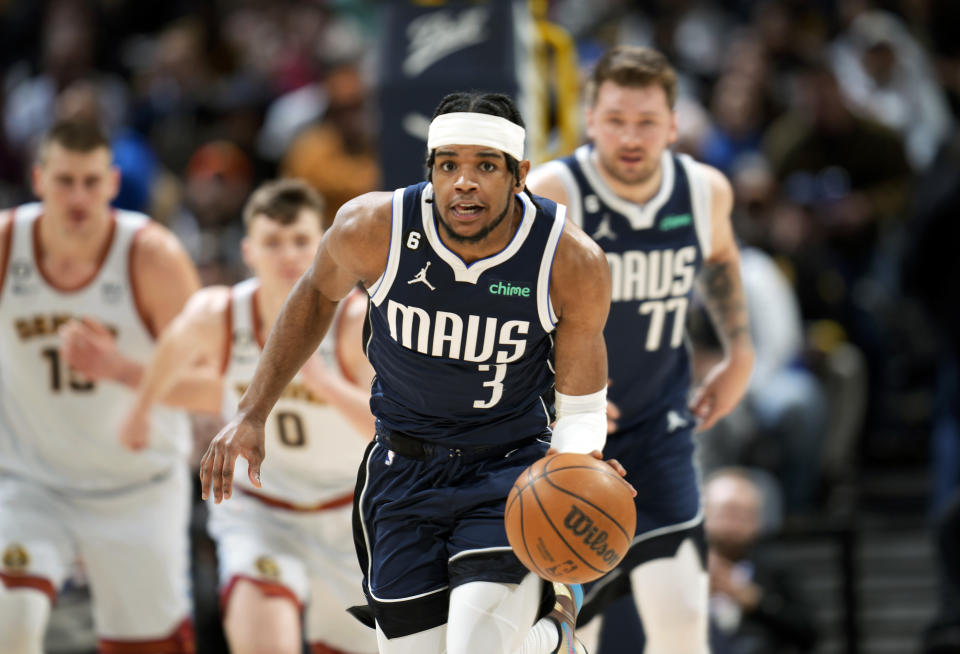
<point x="16" y="558"/>
<point x="444" y="334"/>
<point x="509" y="289"/>
<point x="675" y="222"/>
<point x="653" y="275"/>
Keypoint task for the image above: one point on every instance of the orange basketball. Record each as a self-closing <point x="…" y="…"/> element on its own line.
<point x="570" y="518"/>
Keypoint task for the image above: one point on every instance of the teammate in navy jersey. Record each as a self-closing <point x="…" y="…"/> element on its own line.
<point x="472" y="283"/>
<point x="662" y="220"/>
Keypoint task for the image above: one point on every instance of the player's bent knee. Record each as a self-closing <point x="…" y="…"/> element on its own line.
<point x="24" y="613"/>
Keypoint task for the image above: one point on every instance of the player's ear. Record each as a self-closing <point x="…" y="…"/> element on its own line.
<point x="245" y="250"/>
<point x="589" y="118"/>
<point x="114" y="182"/>
<point x="522" y="170"/>
<point x="36" y="180"/>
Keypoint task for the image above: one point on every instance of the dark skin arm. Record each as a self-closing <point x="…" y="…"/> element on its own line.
<point x="354" y="250"/>
<point x="580" y="294"/>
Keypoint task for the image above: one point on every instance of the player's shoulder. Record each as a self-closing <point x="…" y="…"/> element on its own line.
<point x="578" y="254"/>
<point x="6" y="223"/>
<point x="366" y="212"/>
<point x="713" y="177"/>
<point x="6" y="233"/>
<point x="546" y="180"/>
<point x="155" y="244"/>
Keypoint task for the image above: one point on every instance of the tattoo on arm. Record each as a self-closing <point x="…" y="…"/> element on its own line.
<point x="723" y="295"/>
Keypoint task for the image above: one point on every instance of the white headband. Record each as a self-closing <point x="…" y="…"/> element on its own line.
<point x="469" y="128"/>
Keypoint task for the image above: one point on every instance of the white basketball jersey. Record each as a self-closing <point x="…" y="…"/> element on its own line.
<point x="312" y="450"/>
<point x="55" y="426"/>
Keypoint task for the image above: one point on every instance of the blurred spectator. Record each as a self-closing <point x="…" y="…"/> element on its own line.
<point x="737" y="108"/>
<point x="67" y="56"/>
<point x="844" y="182"/>
<point x="779" y="424"/>
<point x="852" y="171"/>
<point x="338" y="155"/>
<point x="885" y="73"/>
<point x="173" y="80"/>
<point x="930" y="270"/>
<point x="754" y="605"/>
<point x="219" y="177"/>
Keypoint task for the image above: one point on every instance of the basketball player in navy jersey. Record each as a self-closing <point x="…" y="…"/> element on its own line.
<point x="461" y="368"/>
<point x="663" y="220"/>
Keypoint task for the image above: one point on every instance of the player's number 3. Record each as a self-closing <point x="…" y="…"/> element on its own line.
<point x="495" y="385"/>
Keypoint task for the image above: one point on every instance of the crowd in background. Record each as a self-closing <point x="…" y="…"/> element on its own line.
<point x="835" y="120"/>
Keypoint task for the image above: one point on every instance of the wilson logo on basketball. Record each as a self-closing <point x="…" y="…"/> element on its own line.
<point x="581" y="526"/>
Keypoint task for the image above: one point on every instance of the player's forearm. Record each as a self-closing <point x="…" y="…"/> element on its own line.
<point x="296" y="334"/>
<point x="168" y="377"/>
<point x="200" y="391"/>
<point x="722" y="291"/>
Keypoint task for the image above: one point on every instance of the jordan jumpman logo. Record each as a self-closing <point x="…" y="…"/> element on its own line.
<point x="422" y="277"/>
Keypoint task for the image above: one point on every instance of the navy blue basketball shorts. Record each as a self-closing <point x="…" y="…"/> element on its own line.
<point x="659" y="457"/>
<point x="428" y="519"/>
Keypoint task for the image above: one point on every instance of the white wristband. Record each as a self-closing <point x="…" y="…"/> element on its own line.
<point x="581" y="422"/>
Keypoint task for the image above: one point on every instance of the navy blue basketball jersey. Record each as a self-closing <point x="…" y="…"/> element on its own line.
<point x="462" y="352"/>
<point x="655" y="251"/>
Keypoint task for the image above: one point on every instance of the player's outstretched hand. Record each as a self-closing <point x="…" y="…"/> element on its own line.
<point x="241" y="436"/>
<point x="134" y="433"/>
<point x="722" y="388"/>
<point x="613" y="463"/>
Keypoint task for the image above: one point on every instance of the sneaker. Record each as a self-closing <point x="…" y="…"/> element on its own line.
<point x="564" y="613"/>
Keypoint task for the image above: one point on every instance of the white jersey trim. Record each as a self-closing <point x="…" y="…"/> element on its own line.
<point x="701" y="198"/>
<point x="548" y="317"/>
<point x="378" y="291"/>
<point x="641" y="216"/>
<point x="471" y="273"/>
<point x="574" y="199"/>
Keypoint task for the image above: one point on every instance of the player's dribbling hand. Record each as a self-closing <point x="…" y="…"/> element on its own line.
<point x="241" y="436"/>
<point x="613" y="463"/>
<point x="134" y="430"/>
